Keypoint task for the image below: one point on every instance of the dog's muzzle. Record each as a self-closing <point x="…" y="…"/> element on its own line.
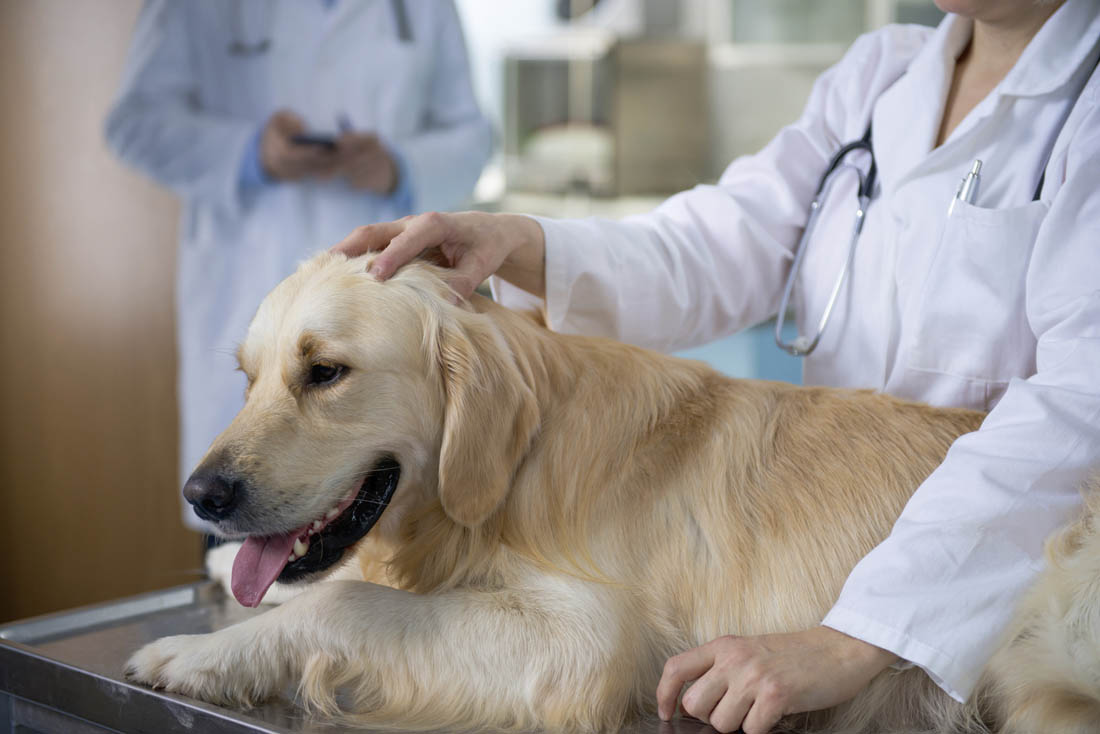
<point x="317" y="545"/>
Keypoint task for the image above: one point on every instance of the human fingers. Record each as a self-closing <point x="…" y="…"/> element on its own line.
<point x="353" y="137"/>
<point x="275" y="145"/>
<point x="287" y="123"/>
<point x="764" y="674"/>
<point x="307" y="156"/>
<point x="318" y="163"/>
<point x="729" y="713"/>
<point x="366" y="164"/>
<point x="678" y="670"/>
<point x="473" y="244"/>
<point x="468" y="273"/>
<point x="348" y="149"/>
<point x="703" y="695"/>
<point x="351" y="146"/>
<point x="297" y="164"/>
<point x="767" y="709"/>
<point x="420" y="233"/>
<point x="370" y="171"/>
<point x="370" y="237"/>
<point x="286" y="160"/>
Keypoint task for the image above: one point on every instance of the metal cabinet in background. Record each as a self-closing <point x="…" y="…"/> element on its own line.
<point x="659" y="115"/>
<point x="587" y="112"/>
<point x="592" y="111"/>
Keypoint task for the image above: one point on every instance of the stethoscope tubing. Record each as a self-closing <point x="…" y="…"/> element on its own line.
<point x="802" y="346"/>
<point x="241" y="47"/>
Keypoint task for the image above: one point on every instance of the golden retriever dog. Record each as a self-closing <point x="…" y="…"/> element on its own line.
<point x="557" y="516"/>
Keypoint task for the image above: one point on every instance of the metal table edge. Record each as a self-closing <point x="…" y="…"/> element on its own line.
<point x="32" y="676"/>
<point x="35" y="629"/>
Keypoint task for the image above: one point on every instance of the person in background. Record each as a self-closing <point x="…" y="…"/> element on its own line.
<point x="978" y="296"/>
<point x="282" y="124"/>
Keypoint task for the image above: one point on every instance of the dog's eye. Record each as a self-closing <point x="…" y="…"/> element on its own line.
<point x="325" y="374"/>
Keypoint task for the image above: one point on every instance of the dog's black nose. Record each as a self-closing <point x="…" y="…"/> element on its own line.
<point x="213" y="495"/>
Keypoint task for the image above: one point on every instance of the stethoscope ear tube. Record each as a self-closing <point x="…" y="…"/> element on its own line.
<point x="868" y="183"/>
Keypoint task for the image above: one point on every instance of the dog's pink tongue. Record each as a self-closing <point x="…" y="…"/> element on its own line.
<point x="258" y="563"/>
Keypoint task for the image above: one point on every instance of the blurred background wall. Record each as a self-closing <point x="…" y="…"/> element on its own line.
<point x="88" y="496"/>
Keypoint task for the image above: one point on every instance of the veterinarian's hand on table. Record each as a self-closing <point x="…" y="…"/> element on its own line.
<point x="475" y="244"/>
<point x="751" y="682"/>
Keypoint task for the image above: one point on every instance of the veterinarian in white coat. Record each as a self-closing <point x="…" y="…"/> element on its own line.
<point x="202" y="82"/>
<point x="995" y="306"/>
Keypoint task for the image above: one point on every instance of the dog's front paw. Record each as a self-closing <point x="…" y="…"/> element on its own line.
<point x="208" y="667"/>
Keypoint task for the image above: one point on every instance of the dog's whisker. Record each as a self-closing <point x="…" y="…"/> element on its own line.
<point x="366" y="500"/>
<point x="361" y="474"/>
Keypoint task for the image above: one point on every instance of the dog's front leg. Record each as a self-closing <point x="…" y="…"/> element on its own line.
<point x="537" y="657"/>
<point x="240" y="665"/>
<point x="549" y="653"/>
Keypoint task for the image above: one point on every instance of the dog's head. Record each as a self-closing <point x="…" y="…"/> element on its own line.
<point x="361" y="395"/>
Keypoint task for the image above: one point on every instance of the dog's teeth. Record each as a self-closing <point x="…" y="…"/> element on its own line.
<point x="332" y="513"/>
<point x="292" y="558"/>
<point x="317" y="525"/>
<point x="300" y="548"/>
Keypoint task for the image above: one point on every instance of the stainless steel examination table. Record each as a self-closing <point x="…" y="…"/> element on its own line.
<point x="62" y="673"/>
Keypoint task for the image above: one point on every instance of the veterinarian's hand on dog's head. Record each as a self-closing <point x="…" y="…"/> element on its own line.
<point x="474" y="244"/>
<point x="751" y="682"/>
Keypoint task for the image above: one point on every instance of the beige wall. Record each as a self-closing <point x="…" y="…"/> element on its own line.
<point x="88" y="495"/>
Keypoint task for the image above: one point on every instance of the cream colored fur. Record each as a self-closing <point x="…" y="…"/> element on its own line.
<point x="1046" y="678"/>
<point x="571" y="512"/>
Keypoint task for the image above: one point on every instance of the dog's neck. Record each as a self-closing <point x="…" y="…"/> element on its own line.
<point x="543" y="517"/>
<point x="567" y="370"/>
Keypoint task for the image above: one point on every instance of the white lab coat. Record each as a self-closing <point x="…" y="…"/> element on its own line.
<point x="188" y="108"/>
<point x="996" y="307"/>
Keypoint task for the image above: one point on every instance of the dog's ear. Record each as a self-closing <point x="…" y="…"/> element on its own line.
<point x="490" y="418"/>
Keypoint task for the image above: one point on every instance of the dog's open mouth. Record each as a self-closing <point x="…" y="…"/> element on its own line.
<point x="262" y="560"/>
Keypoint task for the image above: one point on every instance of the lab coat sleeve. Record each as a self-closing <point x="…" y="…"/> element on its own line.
<point x="713" y="260"/>
<point x="251" y="172"/>
<point x="444" y="158"/>
<point x="941" y="589"/>
<point x="157" y="123"/>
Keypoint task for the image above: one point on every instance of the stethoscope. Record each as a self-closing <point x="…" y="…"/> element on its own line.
<point x="240" y="46"/>
<point x="803" y="345"/>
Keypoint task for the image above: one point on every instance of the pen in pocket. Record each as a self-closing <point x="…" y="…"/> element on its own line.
<point x="968" y="187"/>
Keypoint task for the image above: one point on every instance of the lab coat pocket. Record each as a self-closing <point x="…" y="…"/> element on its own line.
<point x="970" y="319"/>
